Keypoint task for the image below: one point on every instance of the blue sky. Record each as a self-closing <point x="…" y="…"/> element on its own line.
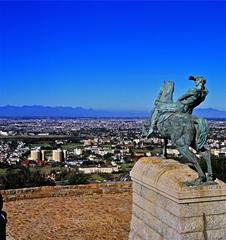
<point x="109" y="54"/>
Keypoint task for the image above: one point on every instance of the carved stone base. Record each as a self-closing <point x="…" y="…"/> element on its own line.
<point x="164" y="208"/>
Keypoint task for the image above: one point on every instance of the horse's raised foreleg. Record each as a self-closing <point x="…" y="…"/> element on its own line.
<point x="205" y="153"/>
<point x="191" y="157"/>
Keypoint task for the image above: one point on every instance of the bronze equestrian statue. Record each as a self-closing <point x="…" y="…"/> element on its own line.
<point x="175" y="122"/>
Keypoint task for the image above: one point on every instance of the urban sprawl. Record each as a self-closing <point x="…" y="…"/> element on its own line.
<point x="103" y="149"/>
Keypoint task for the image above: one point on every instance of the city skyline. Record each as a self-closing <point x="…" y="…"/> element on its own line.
<point x="109" y="54"/>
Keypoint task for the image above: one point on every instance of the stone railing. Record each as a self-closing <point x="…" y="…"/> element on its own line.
<point x="60" y="191"/>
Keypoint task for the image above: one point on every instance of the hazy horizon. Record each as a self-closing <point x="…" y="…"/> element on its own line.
<point x="149" y="109"/>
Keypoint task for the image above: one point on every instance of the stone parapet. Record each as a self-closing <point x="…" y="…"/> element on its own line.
<point x="61" y="191"/>
<point x="164" y="208"/>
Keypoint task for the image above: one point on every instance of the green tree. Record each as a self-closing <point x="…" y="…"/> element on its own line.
<point x="77" y="178"/>
<point x="23" y="177"/>
<point x="218" y="165"/>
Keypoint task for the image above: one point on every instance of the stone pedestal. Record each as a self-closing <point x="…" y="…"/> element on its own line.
<point x="164" y="208"/>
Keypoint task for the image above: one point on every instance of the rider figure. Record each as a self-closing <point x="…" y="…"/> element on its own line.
<point x="185" y="104"/>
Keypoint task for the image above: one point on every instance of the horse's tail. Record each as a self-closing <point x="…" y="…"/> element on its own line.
<point x="202" y="129"/>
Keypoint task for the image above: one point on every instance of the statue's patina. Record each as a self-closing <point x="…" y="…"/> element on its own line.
<point x="174" y="121"/>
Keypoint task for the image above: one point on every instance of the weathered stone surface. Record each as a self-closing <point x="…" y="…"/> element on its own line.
<point x="83" y="217"/>
<point x="79" y="212"/>
<point x="169" y="176"/>
<point x="165" y="208"/>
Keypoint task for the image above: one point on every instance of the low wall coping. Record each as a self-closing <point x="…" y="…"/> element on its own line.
<point x="57" y="191"/>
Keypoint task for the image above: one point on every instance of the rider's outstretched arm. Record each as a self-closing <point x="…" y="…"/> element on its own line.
<point x="188" y="94"/>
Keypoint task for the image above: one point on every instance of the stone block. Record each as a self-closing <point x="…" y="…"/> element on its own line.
<point x="165" y="208"/>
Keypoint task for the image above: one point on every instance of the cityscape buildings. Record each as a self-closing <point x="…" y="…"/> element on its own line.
<point x="87" y="145"/>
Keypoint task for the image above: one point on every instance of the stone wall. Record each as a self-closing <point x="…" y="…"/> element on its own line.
<point x="60" y="191"/>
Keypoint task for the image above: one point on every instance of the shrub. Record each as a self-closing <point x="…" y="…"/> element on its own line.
<point x="23" y="178"/>
<point x="218" y="165"/>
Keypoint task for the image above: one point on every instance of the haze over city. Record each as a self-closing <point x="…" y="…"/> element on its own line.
<point x="109" y="54"/>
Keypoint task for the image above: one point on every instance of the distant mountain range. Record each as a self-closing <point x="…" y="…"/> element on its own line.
<point x="65" y="112"/>
<point x="78" y="112"/>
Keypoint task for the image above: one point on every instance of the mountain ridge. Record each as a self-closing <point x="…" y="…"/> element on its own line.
<point x="61" y="111"/>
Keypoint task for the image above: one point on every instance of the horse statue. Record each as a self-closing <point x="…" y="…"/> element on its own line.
<point x="174" y="121"/>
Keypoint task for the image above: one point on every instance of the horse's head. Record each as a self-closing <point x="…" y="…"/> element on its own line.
<point x="167" y="92"/>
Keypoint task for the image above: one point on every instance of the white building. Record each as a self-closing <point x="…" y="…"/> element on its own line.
<point x="58" y="155"/>
<point x="65" y="154"/>
<point x="43" y="152"/>
<point x="103" y="152"/>
<point x="172" y="151"/>
<point x="35" y="155"/>
<point x="89" y="170"/>
<point x="3" y="133"/>
<point x="215" y="151"/>
<point x="78" y="151"/>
